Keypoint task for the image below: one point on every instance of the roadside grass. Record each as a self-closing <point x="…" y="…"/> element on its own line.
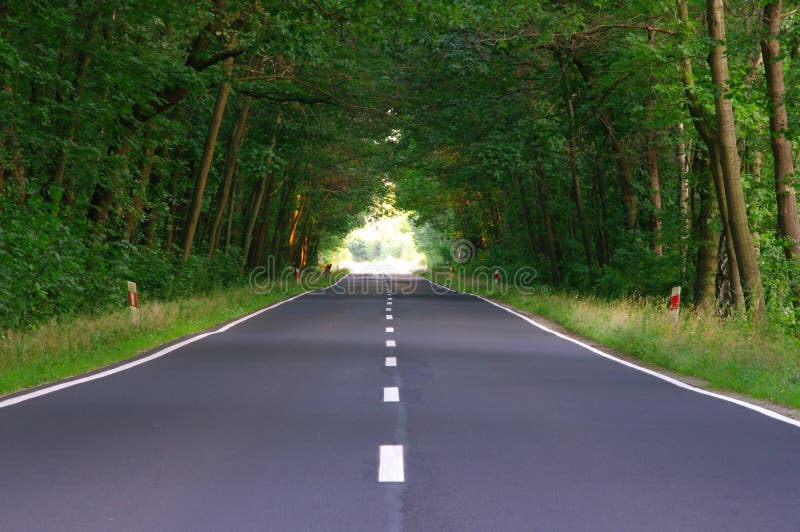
<point x="74" y="345"/>
<point x="731" y="354"/>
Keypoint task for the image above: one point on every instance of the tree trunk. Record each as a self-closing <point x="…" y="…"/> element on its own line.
<point x="296" y="216"/>
<point x="572" y="149"/>
<point x="299" y="252"/>
<point x="197" y="59"/>
<point x="788" y="223"/>
<point x="265" y="183"/>
<point x="731" y="170"/>
<point x="282" y="219"/>
<point x="550" y="241"/>
<point x="267" y="178"/>
<point x="737" y="292"/>
<point x="230" y="165"/>
<point x="175" y="211"/>
<point x="627" y="188"/>
<point x="576" y="189"/>
<point x="655" y="193"/>
<point x="702" y="124"/>
<point x="261" y="247"/>
<point x="154" y="206"/>
<point x="526" y="214"/>
<point x="135" y="212"/>
<point x="683" y="162"/>
<point x="234" y="212"/>
<point x="603" y="240"/>
<point x="707" y="240"/>
<point x="205" y="163"/>
<point x="724" y="290"/>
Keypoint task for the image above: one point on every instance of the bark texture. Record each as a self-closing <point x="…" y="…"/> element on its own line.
<point x="205" y="163"/>
<point x="788" y="223"/>
<point x="729" y="159"/>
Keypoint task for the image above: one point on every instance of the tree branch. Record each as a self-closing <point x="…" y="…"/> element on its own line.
<point x="218" y="57"/>
<point x="283" y="97"/>
<point x="607" y="27"/>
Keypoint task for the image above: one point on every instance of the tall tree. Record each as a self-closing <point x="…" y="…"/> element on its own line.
<point x="788" y="223"/>
<point x="205" y="162"/>
<point x="729" y="158"/>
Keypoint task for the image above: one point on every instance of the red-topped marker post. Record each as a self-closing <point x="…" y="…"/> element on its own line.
<point x="133" y="301"/>
<point x="675" y="302"/>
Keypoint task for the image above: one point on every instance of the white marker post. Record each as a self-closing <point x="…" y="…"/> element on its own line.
<point x="133" y="301"/>
<point x="675" y="302"/>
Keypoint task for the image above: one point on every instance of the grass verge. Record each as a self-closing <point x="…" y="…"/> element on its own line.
<point x="75" y="345"/>
<point x="732" y="354"/>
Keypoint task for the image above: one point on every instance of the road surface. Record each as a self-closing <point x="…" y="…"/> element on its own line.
<point x="388" y="403"/>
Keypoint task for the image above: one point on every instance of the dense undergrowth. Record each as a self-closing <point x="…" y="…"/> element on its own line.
<point x="49" y="268"/>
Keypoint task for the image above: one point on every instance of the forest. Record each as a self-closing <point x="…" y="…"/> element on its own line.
<point x="618" y="147"/>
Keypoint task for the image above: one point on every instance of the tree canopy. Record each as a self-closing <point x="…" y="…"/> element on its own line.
<point x="616" y="146"/>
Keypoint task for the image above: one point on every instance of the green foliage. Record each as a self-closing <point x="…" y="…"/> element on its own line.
<point x="489" y="121"/>
<point x="48" y="269"/>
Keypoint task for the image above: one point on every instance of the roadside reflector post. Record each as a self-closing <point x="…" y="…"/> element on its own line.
<point x="297" y="275"/>
<point x="133" y="301"/>
<point x="451" y="275"/>
<point x="496" y="277"/>
<point x="675" y="302"/>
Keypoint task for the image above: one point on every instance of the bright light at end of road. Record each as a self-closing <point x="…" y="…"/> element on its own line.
<point x="385" y="245"/>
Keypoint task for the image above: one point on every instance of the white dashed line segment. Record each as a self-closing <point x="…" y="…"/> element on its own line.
<point x="391" y="343"/>
<point x="391" y="362"/>
<point x="391" y="394"/>
<point x="391" y="468"/>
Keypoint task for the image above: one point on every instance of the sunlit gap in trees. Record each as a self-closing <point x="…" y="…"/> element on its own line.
<point x="382" y="244"/>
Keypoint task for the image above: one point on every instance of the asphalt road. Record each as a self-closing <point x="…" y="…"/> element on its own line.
<point x="296" y="419"/>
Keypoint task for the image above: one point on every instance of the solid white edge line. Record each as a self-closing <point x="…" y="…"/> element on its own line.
<point x="391" y="362"/>
<point x="390" y="464"/>
<point x="158" y="354"/>
<point x="680" y="384"/>
<point x="391" y="394"/>
<point x="391" y="343"/>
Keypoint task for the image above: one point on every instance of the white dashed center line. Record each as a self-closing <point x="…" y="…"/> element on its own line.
<point x="391" y="464"/>
<point x="391" y="394"/>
